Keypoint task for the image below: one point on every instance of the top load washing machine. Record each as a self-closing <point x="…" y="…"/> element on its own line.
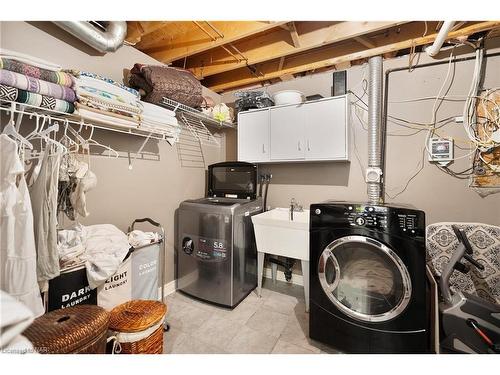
<point x="367" y="278"/>
<point x="217" y="255"/>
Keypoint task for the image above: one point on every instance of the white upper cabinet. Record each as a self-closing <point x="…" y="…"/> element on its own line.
<point x="325" y="130"/>
<point x="253" y="136"/>
<point x="287" y="133"/>
<point x="312" y="131"/>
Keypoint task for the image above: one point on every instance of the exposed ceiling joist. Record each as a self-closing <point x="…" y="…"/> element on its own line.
<point x="364" y="41"/>
<point x="336" y="54"/>
<point x="182" y="39"/>
<point x="294" y="35"/>
<point x="275" y="44"/>
<point x="136" y="30"/>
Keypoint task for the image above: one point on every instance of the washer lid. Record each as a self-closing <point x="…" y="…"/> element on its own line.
<point x="364" y="279"/>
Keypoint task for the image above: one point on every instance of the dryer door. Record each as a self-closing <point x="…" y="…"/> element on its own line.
<point x="364" y="279"/>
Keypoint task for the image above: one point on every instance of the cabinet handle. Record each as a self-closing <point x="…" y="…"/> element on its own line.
<point x="263" y="149"/>
<point x="298" y="145"/>
<point x="308" y="147"/>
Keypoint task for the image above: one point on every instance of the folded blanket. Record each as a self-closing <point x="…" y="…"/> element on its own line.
<point x="97" y="84"/>
<point x="82" y="74"/>
<point x="59" y="78"/>
<point x="160" y="81"/>
<point x="107" y="118"/>
<point x="107" y="95"/>
<point x="108" y="105"/>
<point x="25" y="97"/>
<point x="34" y="61"/>
<point x="37" y="86"/>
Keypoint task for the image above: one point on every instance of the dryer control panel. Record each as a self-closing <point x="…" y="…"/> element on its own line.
<point x="394" y="219"/>
<point x="366" y="216"/>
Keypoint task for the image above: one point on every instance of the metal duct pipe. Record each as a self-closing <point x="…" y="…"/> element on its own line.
<point x="103" y="41"/>
<point x="433" y="49"/>
<point x="374" y="171"/>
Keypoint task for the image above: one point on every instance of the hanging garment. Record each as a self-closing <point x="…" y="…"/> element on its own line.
<point x="17" y="243"/>
<point x="43" y="194"/>
<point x="77" y="196"/>
<point x="15" y="318"/>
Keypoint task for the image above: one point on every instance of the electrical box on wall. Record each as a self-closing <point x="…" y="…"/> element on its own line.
<point x="440" y="150"/>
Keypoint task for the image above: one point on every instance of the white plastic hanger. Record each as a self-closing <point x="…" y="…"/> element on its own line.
<point x="91" y="142"/>
<point x="11" y="131"/>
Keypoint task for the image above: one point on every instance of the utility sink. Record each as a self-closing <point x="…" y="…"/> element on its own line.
<point x="276" y="234"/>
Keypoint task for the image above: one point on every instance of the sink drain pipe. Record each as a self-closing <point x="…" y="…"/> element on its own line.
<point x="374" y="172"/>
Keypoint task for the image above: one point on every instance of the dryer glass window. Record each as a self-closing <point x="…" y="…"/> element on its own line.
<point x="364" y="279"/>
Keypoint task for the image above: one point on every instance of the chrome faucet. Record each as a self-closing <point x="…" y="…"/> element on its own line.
<point x="294" y="207"/>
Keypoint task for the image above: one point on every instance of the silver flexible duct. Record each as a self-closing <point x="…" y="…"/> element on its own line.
<point x="374" y="172"/>
<point x="103" y="41"/>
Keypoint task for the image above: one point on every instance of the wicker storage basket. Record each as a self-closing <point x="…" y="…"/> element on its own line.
<point x="138" y="326"/>
<point x="77" y="329"/>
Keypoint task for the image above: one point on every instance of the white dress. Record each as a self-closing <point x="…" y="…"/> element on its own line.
<point x="17" y="242"/>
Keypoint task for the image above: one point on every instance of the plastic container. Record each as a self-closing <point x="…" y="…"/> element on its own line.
<point x="288" y="97"/>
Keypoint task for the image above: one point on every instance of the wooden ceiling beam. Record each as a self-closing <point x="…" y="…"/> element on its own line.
<point x="294" y="35"/>
<point x="364" y="41"/>
<point x="276" y="44"/>
<point x="337" y="54"/>
<point x="136" y="30"/>
<point x="182" y="39"/>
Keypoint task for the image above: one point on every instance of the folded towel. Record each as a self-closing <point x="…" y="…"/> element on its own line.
<point x="170" y="121"/>
<point x="35" y="61"/>
<point x="37" y="86"/>
<point x="108" y="105"/>
<point x="99" y="85"/>
<point x="25" y="97"/>
<point x="107" y="118"/>
<point x="153" y="110"/>
<point x="82" y="74"/>
<point x="59" y="78"/>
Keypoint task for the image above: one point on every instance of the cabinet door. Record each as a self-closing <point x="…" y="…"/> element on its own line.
<point x="325" y="130"/>
<point x="253" y="136"/>
<point x="287" y="133"/>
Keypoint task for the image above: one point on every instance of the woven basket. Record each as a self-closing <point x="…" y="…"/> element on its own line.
<point x="80" y="329"/>
<point x="138" y="326"/>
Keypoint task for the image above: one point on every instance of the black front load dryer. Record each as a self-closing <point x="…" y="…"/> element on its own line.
<point x="367" y="278"/>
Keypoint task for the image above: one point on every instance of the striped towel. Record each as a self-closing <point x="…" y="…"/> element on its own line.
<point x="25" y="97"/>
<point x="37" y="86"/>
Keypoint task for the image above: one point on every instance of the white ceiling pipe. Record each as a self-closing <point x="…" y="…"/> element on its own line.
<point x="103" y="41"/>
<point x="434" y="49"/>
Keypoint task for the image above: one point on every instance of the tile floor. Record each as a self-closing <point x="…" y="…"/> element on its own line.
<point x="275" y="323"/>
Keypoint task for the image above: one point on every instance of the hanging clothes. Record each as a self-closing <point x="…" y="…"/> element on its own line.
<point x="43" y="194"/>
<point x="17" y="243"/>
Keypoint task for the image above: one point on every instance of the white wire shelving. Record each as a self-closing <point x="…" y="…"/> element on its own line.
<point x="196" y="122"/>
<point x="170" y="133"/>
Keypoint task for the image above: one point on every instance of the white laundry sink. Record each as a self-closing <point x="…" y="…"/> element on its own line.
<point x="276" y="234"/>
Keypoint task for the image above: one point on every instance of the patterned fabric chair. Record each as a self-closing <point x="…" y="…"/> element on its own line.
<point x="441" y="242"/>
